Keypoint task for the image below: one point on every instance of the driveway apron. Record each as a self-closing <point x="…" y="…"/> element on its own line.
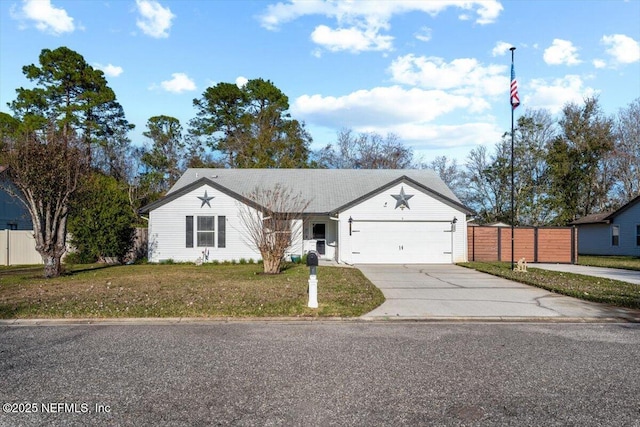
<point x="427" y="291"/>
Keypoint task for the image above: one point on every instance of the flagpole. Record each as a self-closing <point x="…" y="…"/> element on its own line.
<point x="512" y="174"/>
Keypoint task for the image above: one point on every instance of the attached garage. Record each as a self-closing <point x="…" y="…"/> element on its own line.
<point x="399" y="242"/>
<point x="403" y="223"/>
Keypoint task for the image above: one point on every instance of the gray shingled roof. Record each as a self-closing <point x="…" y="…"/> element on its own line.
<point x="592" y="219"/>
<point x="605" y="217"/>
<point x="333" y="188"/>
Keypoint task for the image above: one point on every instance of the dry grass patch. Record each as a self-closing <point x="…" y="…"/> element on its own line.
<point x="185" y="291"/>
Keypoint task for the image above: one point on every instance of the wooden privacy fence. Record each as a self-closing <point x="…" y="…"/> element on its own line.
<point x="535" y="244"/>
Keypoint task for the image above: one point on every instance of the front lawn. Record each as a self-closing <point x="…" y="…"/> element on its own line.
<point x="597" y="289"/>
<point x="184" y="290"/>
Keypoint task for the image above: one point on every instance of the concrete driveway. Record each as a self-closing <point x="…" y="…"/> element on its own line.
<point x="450" y="292"/>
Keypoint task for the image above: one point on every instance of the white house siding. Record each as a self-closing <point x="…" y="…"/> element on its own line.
<point x="386" y="234"/>
<point x="595" y="239"/>
<point x="297" y="242"/>
<point x="167" y="228"/>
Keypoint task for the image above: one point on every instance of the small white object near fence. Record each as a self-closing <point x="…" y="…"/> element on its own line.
<point x="18" y="247"/>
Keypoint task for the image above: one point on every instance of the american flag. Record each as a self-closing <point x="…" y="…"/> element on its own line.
<point x="515" y="99"/>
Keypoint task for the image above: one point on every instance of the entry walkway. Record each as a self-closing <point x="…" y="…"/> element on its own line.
<point x="450" y="292"/>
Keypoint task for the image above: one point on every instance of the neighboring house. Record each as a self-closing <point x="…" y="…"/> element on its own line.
<point x="13" y="213"/>
<point x="354" y="216"/>
<point x="611" y="233"/>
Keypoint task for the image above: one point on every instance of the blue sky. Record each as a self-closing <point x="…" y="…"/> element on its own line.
<point x="436" y="73"/>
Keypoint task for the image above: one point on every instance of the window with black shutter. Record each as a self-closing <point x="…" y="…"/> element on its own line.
<point x="189" y="232"/>
<point x="222" y="227"/>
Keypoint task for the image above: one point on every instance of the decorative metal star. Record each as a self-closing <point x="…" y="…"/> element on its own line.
<point x="402" y="199"/>
<point x="206" y="199"/>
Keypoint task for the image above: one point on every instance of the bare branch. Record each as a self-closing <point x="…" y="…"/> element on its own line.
<point x="271" y="221"/>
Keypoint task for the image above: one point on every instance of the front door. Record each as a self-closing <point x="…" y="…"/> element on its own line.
<point x="318" y="233"/>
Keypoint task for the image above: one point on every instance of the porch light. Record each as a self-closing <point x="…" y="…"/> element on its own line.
<point x="350" y="225"/>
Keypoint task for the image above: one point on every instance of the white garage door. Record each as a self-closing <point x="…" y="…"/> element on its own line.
<point x="388" y="242"/>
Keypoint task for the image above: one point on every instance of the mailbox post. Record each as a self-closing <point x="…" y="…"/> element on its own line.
<point x="312" y="262"/>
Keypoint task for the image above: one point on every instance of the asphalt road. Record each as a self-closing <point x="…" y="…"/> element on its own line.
<point x="321" y="374"/>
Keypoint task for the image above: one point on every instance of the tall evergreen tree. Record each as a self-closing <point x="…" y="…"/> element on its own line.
<point x="250" y="126"/>
<point x="76" y="98"/>
<point x="164" y="160"/>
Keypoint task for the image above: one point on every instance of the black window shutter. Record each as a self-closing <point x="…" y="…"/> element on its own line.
<point x="222" y="223"/>
<point x="189" y="233"/>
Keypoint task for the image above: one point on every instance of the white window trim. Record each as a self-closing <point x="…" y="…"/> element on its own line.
<point x="615" y="227"/>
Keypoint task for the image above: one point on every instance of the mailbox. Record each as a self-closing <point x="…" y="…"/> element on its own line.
<point x="312" y="259"/>
<point x="312" y="263"/>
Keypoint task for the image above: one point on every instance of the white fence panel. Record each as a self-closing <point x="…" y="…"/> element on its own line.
<point x="18" y="247"/>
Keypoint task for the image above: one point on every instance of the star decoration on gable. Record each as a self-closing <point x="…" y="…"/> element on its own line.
<point x="206" y="199"/>
<point x="402" y="200"/>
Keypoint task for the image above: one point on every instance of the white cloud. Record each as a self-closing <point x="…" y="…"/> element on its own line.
<point x="109" y="69"/>
<point x="555" y="94"/>
<point x="424" y="34"/>
<point x="599" y="63"/>
<point x="464" y="76"/>
<point x="154" y="20"/>
<point x="363" y="21"/>
<point x="410" y="114"/>
<point x="623" y="49"/>
<point x="350" y="39"/>
<point x="48" y="18"/>
<point x="179" y="83"/>
<point x="430" y="136"/>
<point x="384" y="106"/>
<point x="501" y="48"/>
<point x="561" y="52"/>
<point x="241" y="81"/>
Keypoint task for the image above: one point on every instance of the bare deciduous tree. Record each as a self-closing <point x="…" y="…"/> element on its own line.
<point x="627" y="153"/>
<point x="365" y="151"/>
<point x="272" y="219"/>
<point x="43" y="170"/>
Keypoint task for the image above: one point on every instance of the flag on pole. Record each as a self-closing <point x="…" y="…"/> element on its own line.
<point x="515" y="99"/>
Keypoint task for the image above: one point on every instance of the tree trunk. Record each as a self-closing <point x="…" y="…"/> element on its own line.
<point x="271" y="264"/>
<point x="52" y="265"/>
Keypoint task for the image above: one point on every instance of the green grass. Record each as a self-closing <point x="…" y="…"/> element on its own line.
<point x="614" y="292"/>
<point x="184" y="290"/>
<point x="625" y="262"/>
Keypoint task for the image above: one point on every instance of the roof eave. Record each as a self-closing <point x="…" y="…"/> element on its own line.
<point x="390" y="184"/>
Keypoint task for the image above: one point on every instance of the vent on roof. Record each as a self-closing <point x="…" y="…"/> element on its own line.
<point x="214" y="176"/>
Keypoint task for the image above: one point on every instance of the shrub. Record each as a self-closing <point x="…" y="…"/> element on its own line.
<point x="101" y="220"/>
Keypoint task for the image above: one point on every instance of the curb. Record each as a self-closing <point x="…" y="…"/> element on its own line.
<point x="296" y="320"/>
